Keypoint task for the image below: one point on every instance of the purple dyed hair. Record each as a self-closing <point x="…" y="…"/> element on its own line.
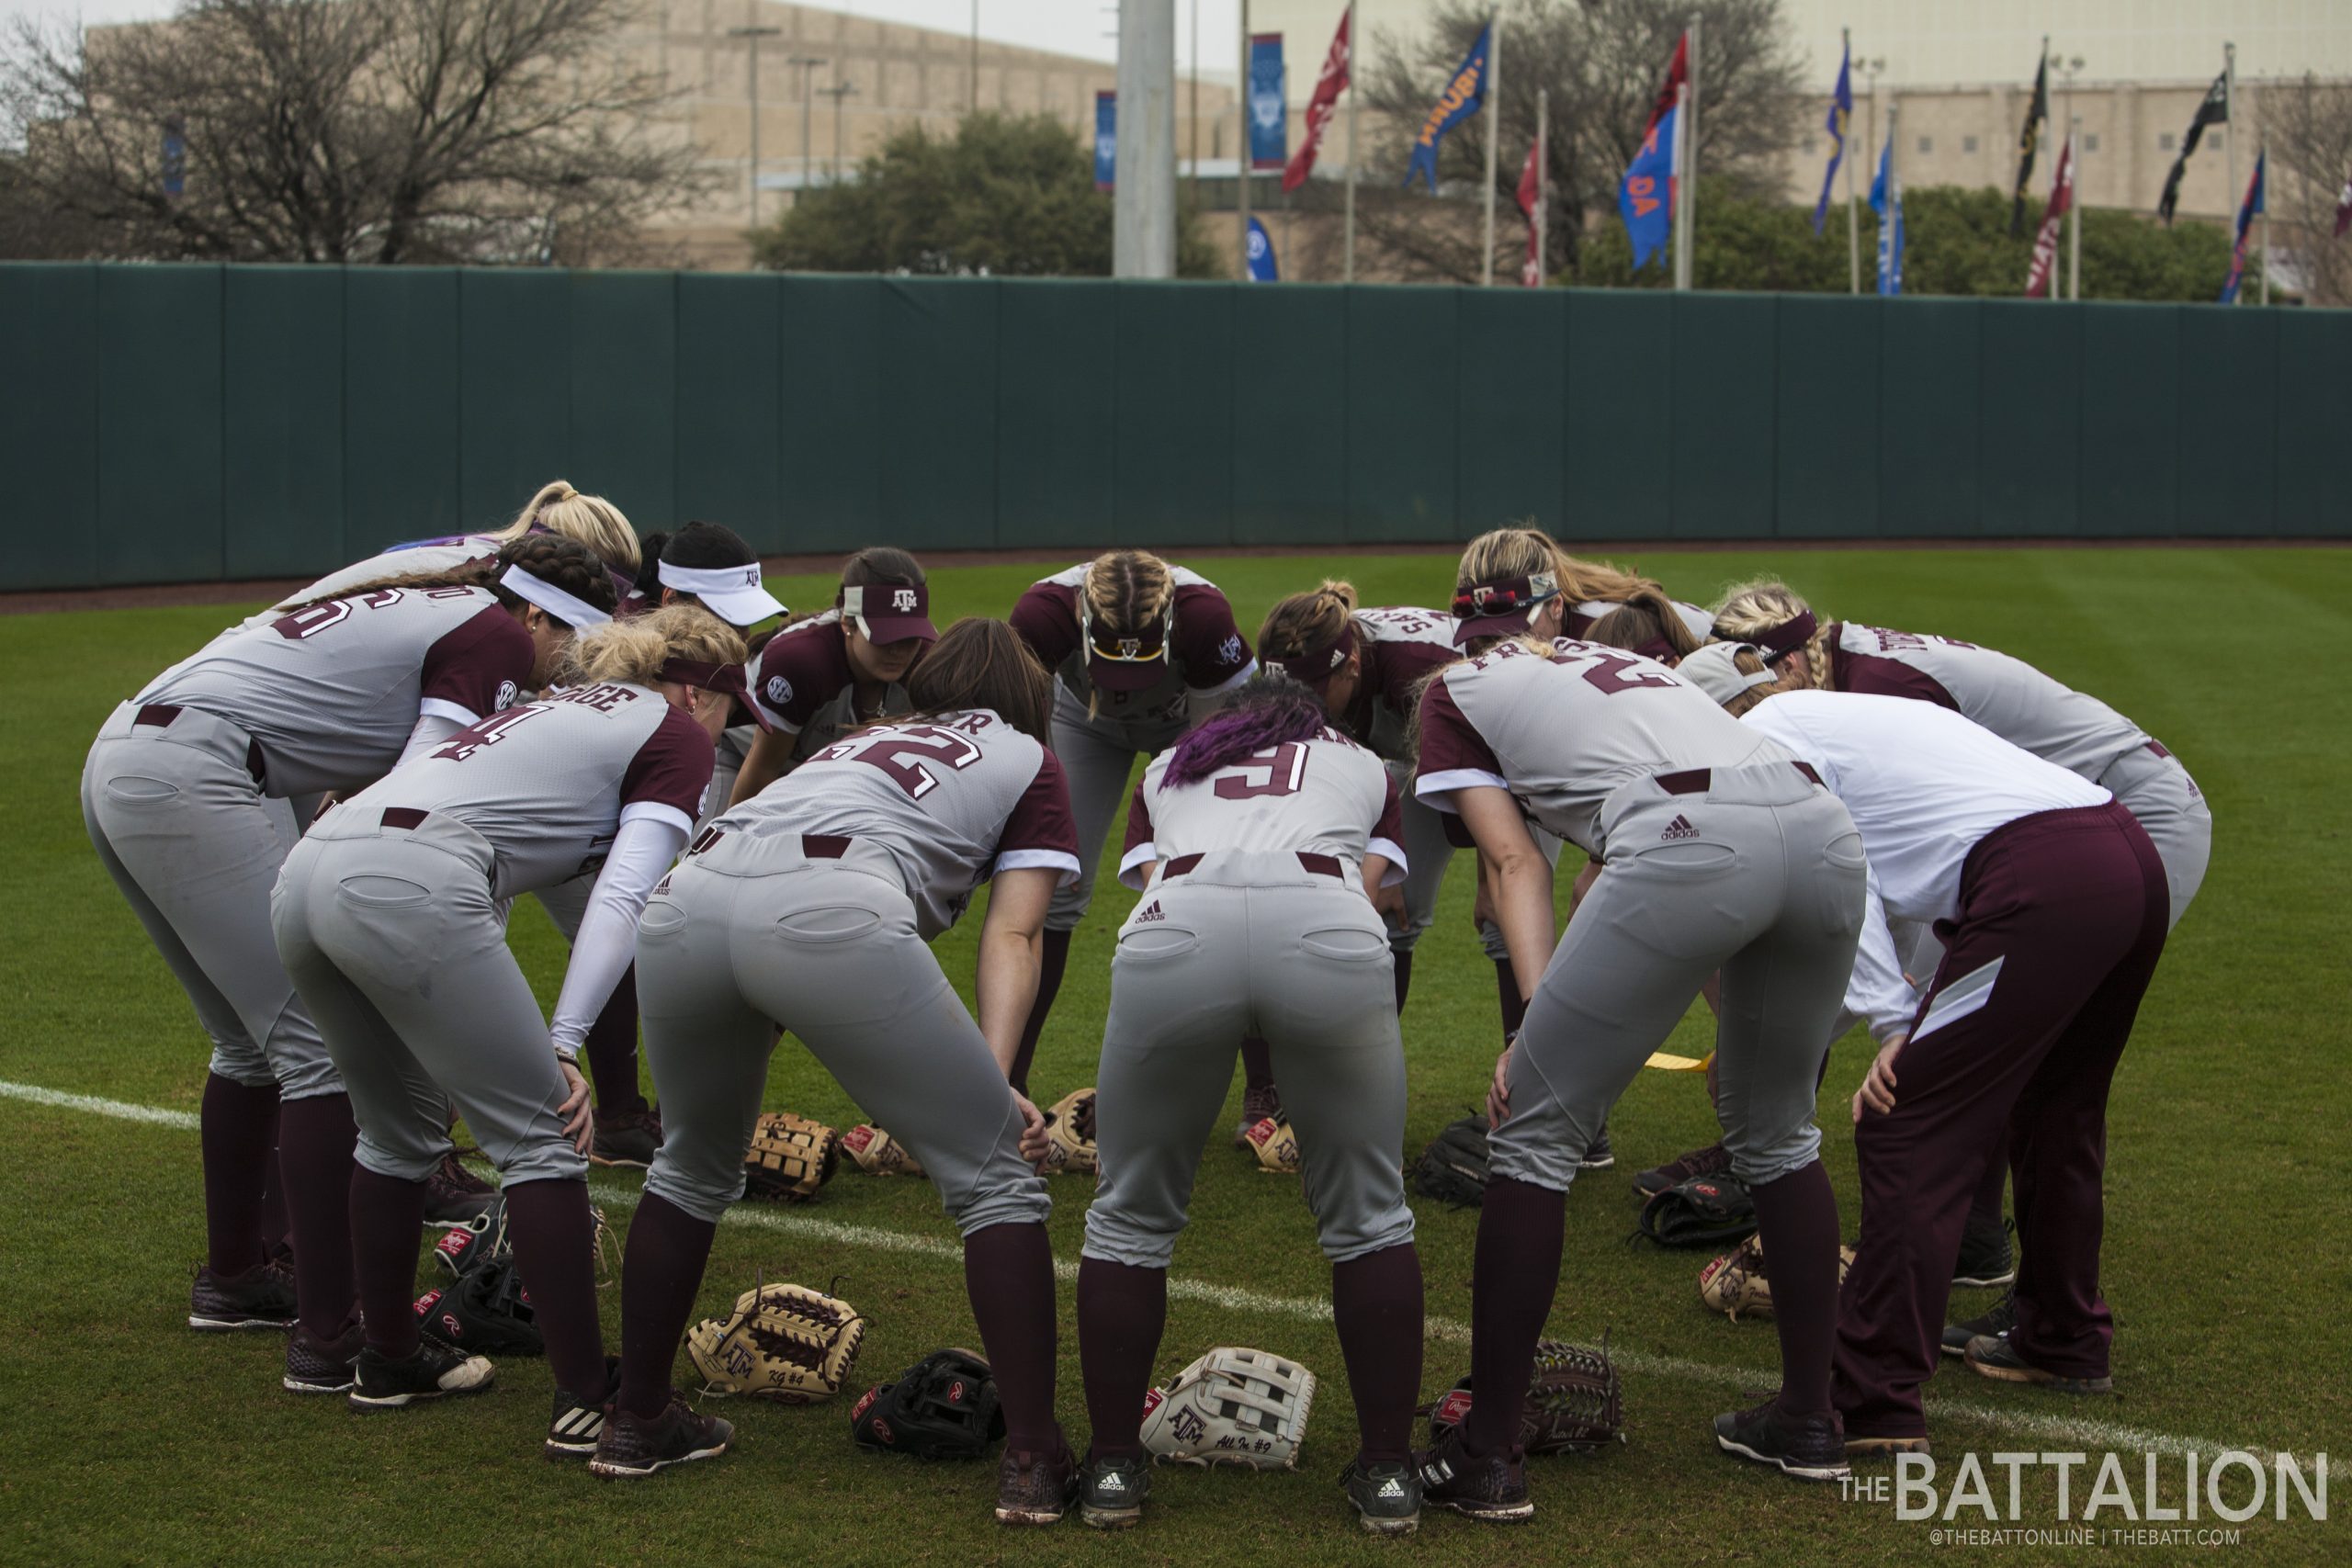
<point x="1269" y="710"/>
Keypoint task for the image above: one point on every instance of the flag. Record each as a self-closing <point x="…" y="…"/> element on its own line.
<point x="2344" y="209"/>
<point x="2045" y="243"/>
<point x="1678" y="71"/>
<point x="1262" y="254"/>
<point x="1842" y="109"/>
<point x="1531" y="202"/>
<point x="1323" y="104"/>
<point x="2214" y="110"/>
<point x="1464" y="95"/>
<point x="2036" y="115"/>
<point x="1645" y="199"/>
<point x="1886" y="200"/>
<point x="2248" y="210"/>
<point x="1269" y="116"/>
<point x="1106" y="140"/>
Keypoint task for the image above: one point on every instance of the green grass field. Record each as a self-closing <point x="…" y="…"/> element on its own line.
<point x="123" y="1436"/>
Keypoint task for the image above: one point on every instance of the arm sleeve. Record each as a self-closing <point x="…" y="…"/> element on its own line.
<point x="641" y="851"/>
<point x="478" y="669"/>
<point x="1877" y="990"/>
<point x="1454" y="755"/>
<point x="1038" y="831"/>
<point x="432" y="728"/>
<point x="1139" y="849"/>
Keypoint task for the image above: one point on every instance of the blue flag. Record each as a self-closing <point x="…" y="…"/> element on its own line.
<point x="1106" y="140"/>
<point x="1262" y="254"/>
<point x="1886" y="200"/>
<point x="1464" y="95"/>
<point x="1841" y="110"/>
<point x="1646" y="197"/>
<point x="2247" y="211"/>
<point x="1269" y="116"/>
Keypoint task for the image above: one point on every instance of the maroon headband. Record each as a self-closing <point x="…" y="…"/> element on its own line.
<point x="1783" y="639"/>
<point x="1657" y="647"/>
<point x="1314" y="666"/>
<point x="726" y="678"/>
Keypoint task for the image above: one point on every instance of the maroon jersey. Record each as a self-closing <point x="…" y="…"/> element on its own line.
<point x="1206" y="652"/>
<point x="1397" y="648"/>
<point x="1324" y="794"/>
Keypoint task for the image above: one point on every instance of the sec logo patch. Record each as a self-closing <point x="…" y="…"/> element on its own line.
<point x="507" y="691"/>
<point x="779" y="691"/>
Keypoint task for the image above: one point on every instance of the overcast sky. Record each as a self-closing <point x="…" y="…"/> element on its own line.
<point x="1068" y="26"/>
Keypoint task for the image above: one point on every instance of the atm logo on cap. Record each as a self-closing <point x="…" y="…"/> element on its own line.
<point x="903" y="600"/>
<point x="752" y="575"/>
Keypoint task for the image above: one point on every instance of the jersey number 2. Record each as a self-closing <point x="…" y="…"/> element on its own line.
<point x="901" y="753"/>
<point x="1284" y="766"/>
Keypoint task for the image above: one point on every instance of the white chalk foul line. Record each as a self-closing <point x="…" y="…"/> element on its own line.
<point x="2081" y="1432"/>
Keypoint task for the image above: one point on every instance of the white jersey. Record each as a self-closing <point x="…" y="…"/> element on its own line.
<point x="332" y="693"/>
<point x="954" y="799"/>
<point x="550" y="783"/>
<point x="2007" y="697"/>
<point x="1923" y="785"/>
<point x="1563" y="733"/>
<point x="432" y="554"/>
<point x="1324" y="794"/>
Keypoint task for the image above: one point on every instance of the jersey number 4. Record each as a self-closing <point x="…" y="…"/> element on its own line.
<point x="1283" y="767"/>
<point x="485" y="732"/>
<point x="904" y="753"/>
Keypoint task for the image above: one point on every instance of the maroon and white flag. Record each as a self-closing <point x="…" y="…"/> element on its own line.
<point x="2344" y="209"/>
<point x="1323" y="104"/>
<point x="1531" y="202"/>
<point x="2045" y="243"/>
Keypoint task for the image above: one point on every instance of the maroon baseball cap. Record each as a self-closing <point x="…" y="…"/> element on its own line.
<point x="1122" y="662"/>
<point x="1502" y="607"/>
<point x="1315" y="666"/>
<point x="889" y="611"/>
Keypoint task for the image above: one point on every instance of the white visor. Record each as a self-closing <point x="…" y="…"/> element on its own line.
<point x="572" y="610"/>
<point x="1712" y="669"/>
<point x="733" y="594"/>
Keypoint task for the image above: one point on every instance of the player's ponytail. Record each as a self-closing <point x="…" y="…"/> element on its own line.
<point x="591" y="520"/>
<point x="980" y="664"/>
<point x="1649" y="624"/>
<point x="632" y="652"/>
<point x="1270" y="710"/>
<point x="1305" y="621"/>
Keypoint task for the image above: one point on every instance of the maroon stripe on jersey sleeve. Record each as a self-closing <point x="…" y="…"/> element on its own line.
<point x="798" y="673"/>
<point x="673" y="768"/>
<point x="1047" y="618"/>
<point x="1450" y="742"/>
<point x="1876" y="676"/>
<point x="1138" y="819"/>
<point x="1207" y="644"/>
<point x="1040" y="820"/>
<point x="481" y="666"/>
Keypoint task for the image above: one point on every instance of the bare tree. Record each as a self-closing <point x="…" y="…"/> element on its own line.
<point x="1603" y="62"/>
<point x="339" y="131"/>
<point x="2308" y="126"/>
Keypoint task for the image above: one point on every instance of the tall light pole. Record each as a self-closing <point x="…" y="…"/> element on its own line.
<point x="2068" y="65"/>
<point x="976" y="57"/>
<point x="1870" y="70"/>
<point x="752" y="37"/>
<point x="808" y="64"/>
<point x="837" y="91"/>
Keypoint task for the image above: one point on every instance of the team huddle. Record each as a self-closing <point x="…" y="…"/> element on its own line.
<point x="321" y="820"/>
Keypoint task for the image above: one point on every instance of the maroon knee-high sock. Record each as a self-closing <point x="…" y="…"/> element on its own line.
<point x="1797" y="1217"/>
<point x="1518" y="1269"/>
<point x="315" y="1137"/>
<point x="555" y="1247"/>
<point x="1256" y="1063"/>
<point x="1121" y="1311"/>
<point x="662" y="1270"/>
<point x="1009" y="1274"/>
<point x="387" y="1217"/>
<point x="611" y="1050"/>
<point x="1507" y="992"/>
<point x="276" y="1225"/>
<point x="1376" y="1306"/>
<point x="1053" y="958"/>
<point x="238" y="1130"/>
<point x="1404" y="964"/>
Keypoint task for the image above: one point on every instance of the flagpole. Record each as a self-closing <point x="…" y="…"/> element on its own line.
<point x="1686" y="182"/>
<point x="1492" y="87"/>
<point x="2073" y="205"/>
<point x="1355" y="64"/>
<point x="2228" y="114"/>
<point x="1242" y="186"/>
<point x="1853" y="218"/>
<point x="1544" y="179"/>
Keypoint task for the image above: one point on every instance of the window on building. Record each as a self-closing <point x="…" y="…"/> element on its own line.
<point x="1968" y="145"/>
<point x="1927" y="144"/>
<point x="2090" y="141"/>
<point x="2167" y="142"/>
<point x="2214" y="141"/>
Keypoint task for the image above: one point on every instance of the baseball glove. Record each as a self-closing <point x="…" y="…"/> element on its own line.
<point x="1275" y="1143"/>
<point x="1069" y="1132"/>
<point x="878" y="1154"/>
<point x="1706" y="1211"/>
<point x="486" y="1311"/>
<point x="791" y="1158"/>
<point x="483" y="1239"/>
<point x="1575" y="1402"/>
<point x="785" y="1343"/>
<point x="1737" y="1282"/>
<point x="1232" y="1406"/>
<point x="944" y="1407"/>
<point x="1452" y="1169"/>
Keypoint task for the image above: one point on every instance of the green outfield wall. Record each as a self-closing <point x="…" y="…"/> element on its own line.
<point x="187" y="424"/>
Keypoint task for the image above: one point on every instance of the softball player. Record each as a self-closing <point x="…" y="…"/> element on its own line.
<point x="2028" y="709"/>
<point x="715" y="568"/>
<point x="176" y="797"/>
<point x="1253" y="840"/>
<point x="819" y="678"/>
<point x="809" y="907"/>
<point x="1720" y="853"/>
<point x="1139" y="650"/>
<point x="2055" y="904"/>
<point x="391" y="917"/>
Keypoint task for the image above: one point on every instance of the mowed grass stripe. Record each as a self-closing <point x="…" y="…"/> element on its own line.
<point x="2086" y="1433"/>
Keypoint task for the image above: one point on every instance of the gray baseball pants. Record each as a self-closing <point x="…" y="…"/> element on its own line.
<point x="1096" y="758"/>
<point x="750" y="933"/>
<point x="2158" y="791"/>
<point x="181" y="824"/>
<point x="394" y="941"/>
<point x="1250" y="942"/>
<point x="1756" y="871"/>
